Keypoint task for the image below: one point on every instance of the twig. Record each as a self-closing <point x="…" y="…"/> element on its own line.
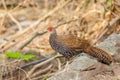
<point x="41" y="33"/>
<point x="117" y="3"/>
<point x="26" y="65"/>
<point x="4" y="4"/>
<point x="33" y="63"/>
<point x="41" y="71"/>
<point x="48" y="59"/>
<point x="3" y="47"/>
<point x="11" y="16"/>
<point x="45" y="62"/>
<point x="25" y="73"/>
<point x="111" y="23"/>
<point x="48" y="75"/>
<point x="15" y="21"/>
<point x="30" y="39"/>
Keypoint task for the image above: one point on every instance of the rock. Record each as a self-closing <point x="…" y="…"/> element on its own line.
<point x="109" y="44"/>
<point x="83" y="62"/>
<point x="70" y="75"/>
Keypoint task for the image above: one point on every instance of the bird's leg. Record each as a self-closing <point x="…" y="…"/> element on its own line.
<point x="66" y="66"/>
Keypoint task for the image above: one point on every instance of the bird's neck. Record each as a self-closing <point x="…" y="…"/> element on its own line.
<point x="53" y="40"/>
<point x="53" y="34"/>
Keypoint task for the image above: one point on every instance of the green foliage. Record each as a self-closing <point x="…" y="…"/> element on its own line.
<point x="109" y="2"/>
<point x="45" y="77"/>
<point x="27" y="57"/>
<point x="18" y="55"/>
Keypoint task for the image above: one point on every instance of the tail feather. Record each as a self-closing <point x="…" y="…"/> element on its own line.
<point x="101" y="55"/>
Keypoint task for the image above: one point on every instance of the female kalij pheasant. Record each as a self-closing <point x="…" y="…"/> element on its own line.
<point x="69" y="45"/>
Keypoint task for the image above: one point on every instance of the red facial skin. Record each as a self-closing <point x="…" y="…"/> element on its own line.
<point x="50" y="29"/>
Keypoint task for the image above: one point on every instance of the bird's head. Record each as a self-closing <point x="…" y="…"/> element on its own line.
<point x="50" y="29"/>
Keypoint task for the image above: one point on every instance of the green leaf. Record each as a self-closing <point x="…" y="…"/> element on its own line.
<point x="18" y="55"/>
<point x="27" y="57"/>
<point x="13" y="55"/>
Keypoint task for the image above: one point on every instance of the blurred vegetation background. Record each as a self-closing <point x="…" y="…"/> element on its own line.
<point x="22" y="20"/>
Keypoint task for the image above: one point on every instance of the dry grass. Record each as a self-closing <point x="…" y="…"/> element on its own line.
<point x="20" y="20"/>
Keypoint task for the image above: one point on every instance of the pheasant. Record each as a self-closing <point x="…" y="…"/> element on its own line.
<point x="70" y="45"/>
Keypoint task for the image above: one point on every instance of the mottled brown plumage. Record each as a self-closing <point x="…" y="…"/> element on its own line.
<point x="98" y="53"/>
<point x="69" y="45"/>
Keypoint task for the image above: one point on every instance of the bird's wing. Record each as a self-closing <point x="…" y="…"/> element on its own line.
<point x="72" y="42"/>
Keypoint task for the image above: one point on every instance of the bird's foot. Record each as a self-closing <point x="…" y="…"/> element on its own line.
<point x="66" y="69"/>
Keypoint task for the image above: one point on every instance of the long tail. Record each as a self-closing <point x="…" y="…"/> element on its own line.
<point x="101" y="55"/>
